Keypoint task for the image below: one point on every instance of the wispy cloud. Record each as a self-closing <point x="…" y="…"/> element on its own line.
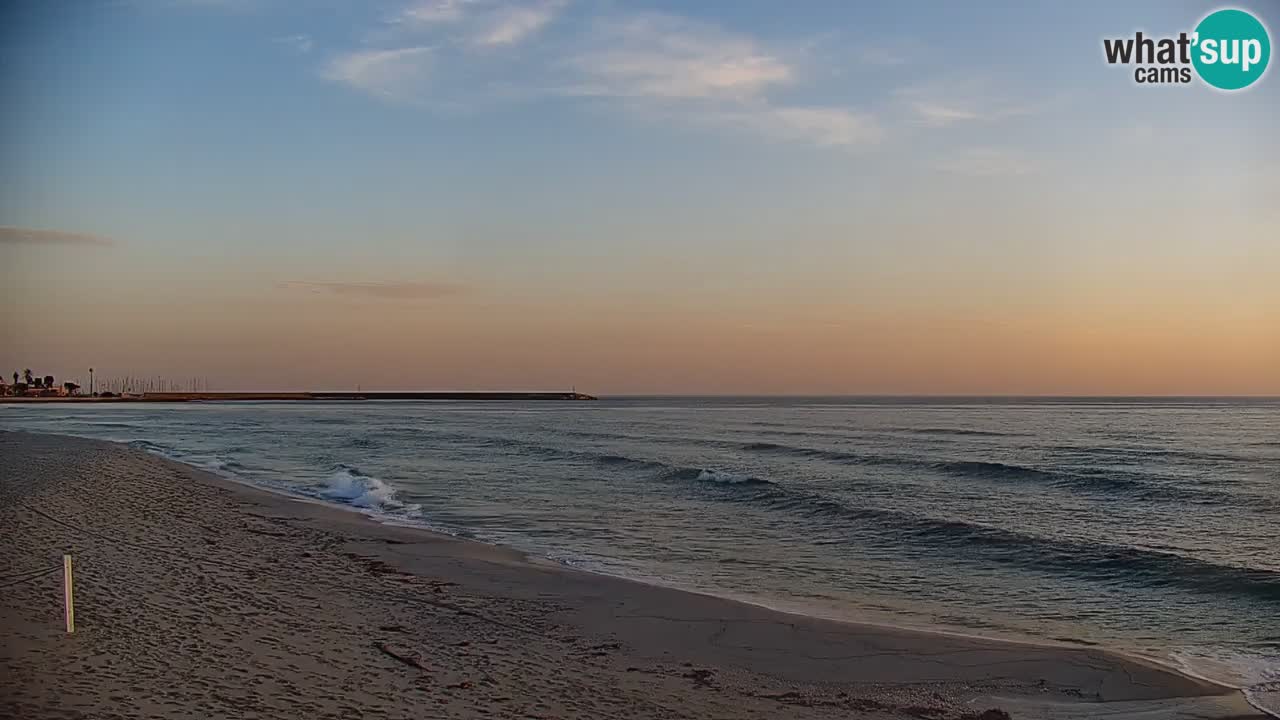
<point x="944" y="103"/>
<point x="936" y="114"/>
<point x="29" y="236"/>
<point x="654" y="65"/>
<point x="709" y="76"/>
<point x="382" y="290"/>
<point x="986" y="162"/>
<point x="484" y="23"/>
<point x="298" y="43"/>
<point x="512" y="24"/>
<point x="433" y="11"/>
<point x="397" y="75"/>
<point x="825" y="127"/>
<point x="666" y="57"/>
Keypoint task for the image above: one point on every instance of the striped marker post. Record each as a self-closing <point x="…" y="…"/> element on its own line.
<point x="66" y="593"/>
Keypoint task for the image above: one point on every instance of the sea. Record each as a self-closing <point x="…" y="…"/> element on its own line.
<point x="1149" y="526"/>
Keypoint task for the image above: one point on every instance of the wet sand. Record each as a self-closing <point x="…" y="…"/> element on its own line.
<point x="200" y="597"/>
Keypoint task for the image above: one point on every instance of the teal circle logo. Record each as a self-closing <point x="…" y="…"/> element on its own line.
<point x="1231" y="49"/>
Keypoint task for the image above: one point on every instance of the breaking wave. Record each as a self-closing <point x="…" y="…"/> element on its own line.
<point x="348" y="485"/>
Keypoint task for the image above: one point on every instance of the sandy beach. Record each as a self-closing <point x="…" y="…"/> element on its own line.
<point x="198" y="596"/>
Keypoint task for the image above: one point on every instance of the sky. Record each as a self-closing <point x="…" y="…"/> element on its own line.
<point x="742" y="197"/>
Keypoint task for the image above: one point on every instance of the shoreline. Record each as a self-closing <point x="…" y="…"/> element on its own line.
<point x="1169" y="664"/>
<point x="798" y="609"/>
<point x="379" y="520"/>
<point x="652" y="640"/>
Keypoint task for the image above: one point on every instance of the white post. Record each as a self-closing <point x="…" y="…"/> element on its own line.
<point x="66" y="593"/>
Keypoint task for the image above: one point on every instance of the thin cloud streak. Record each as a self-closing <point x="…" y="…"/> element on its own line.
<point x="479" y="23"/>
<point x="821" y="126"/>
<point x="941" y="104"/>
<point x="515" y="23"/>
<point x="30" y="236"/>
<point x="433" y="11"/>
<point x="396" y="75"/>
<point x="938" y="115"/>
<point x="665" y="57"/>
<point x="381" y="290"/>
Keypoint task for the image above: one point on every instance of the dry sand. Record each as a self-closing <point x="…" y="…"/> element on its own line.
<point x="200" y="597"/>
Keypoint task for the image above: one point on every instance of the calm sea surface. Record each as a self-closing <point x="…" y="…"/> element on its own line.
<point x="1147" y="526"/>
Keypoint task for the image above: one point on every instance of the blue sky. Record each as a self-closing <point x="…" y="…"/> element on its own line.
<point x="739" y="158"/>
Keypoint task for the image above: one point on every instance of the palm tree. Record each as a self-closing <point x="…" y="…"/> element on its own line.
<point x="26" y="375"/>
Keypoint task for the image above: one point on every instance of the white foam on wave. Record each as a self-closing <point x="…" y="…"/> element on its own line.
<point x="725" y="478"/>
<point x="217" y="465"/>
<point x="345" y="484"/>
<point x="349" y="485"/>
<point x="1265" y="698"/>
<point x="152" y="447"/>
<point x="1256" y="674"/>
